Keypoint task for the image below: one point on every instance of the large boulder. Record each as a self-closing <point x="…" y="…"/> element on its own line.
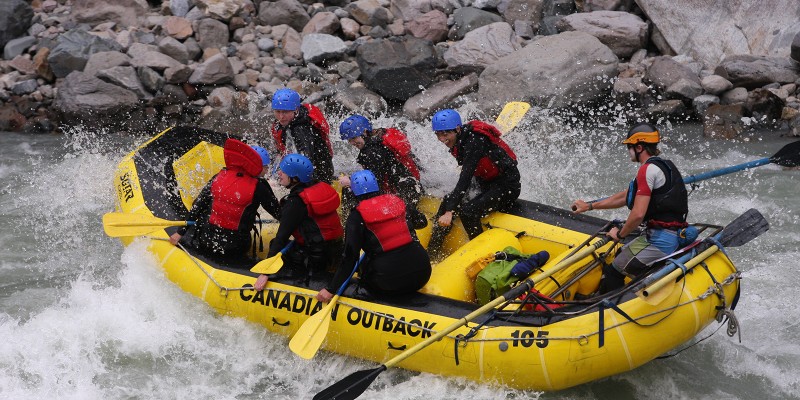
<point x="320" y="47"/>
<point x="73" y="50"/>
<point x="83" y="98"/>
<point x="622" y="32"/>
<point x="466" y="19"/>
<point x="553" y="71"/>
<point x="756" y="71"/>
<point x="741" y="27"/>
<point x="123" y="12"/>
<point x="398" y="67"/>
<point x="289" y="12"/>
<point x="482" y="47"/>
<point x="15" y="19"/>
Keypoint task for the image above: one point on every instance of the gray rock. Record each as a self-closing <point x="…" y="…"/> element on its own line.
<point x="523" y="10"/>
<point x="214" y="71"/>
<point x="104" y="60"/>
<point x="83" y="97"/>
<point x="715" y="84"/>
<point x="397" y="68"/>
<point x="438" y="96"/>
<point x="27" y="86"/>
<point x="178" y="74"/>
<point x="369" y="12"/>
<point x="123" y="12"/>
<point x="795" y="48"/>
<point x="744" y="27"/>
<point x="193" y="49"/>
<point x="622" y="32"/>
<point x="125" y="77"/>
<point x="320" y="47"/>
<point x="557" y="7"/>
<point x="409" y="10"/>
<point x="15" y="19"/>
<point x="17" y="46"/>
<point x="361" y="100"/>
<point x="554" y="71"/>
<point x="151" y="80"/>
<point x="548" y="25"/>
<point x="669" y="109"/>
<point x="289" y="12"/>
<point x="482" y="47"/>
<point x="664" y="72"/>
<point x="468" y="18"/>
<point x="684" y="89"/>
<point x="211" y="33"/>
<point x="155" y="60"/>
<point x="73" y="51"/>
<point x="756" y="71"/>
<point x="701" y="103"/>
<point x="179" y="8"/>
<point x="734" y="96"/>
<point x="174" y="48"/>
<point x="265" y="44"/>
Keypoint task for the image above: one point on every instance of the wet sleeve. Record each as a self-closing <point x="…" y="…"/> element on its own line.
<point x="472" y="154"/>
<point x="266" y="197"/>
<point x="292" y="214"/>
<point x="354" y="241"/>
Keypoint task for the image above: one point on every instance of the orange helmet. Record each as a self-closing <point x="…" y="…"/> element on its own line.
<point x="642" y="133"/>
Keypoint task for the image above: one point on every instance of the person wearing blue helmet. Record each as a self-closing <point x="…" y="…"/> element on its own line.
<point x="226" y="209"/>
<point x="387" y="153"/>
<point x="302" y="128"/>
<point x="394" y="263"/>
<point x="309" y="214"/>
<point x="265" y="159"/>
<point x="484" y="157"/>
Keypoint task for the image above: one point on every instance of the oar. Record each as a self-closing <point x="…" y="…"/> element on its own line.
<point x="117" y="224"/>
<point x="511" y="114"/>
<point x="273" y="264"/>
<point x="741" y="230"/>
<point x="787" y="156"/>
<point x="356" y="383"/>
<point x="308" y="339"/>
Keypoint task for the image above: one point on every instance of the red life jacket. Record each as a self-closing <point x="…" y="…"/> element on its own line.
<point x="397" y="142"/>
<point x="487" y="170"/>
<point x="234" y="187"/>
<point x="318" y="123"/>
<point x="385" y="216"/>
<point x="322" y="200"/>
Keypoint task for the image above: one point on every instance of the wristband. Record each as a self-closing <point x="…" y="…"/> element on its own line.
<point x="591" y="206"/>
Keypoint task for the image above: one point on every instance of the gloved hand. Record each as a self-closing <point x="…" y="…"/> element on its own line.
<point x="525" y="267"/>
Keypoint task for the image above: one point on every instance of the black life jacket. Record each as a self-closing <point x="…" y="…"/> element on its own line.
<point x="487" y="169"/>
<point x="385" y="217"/>
<point x="669" y="204"/>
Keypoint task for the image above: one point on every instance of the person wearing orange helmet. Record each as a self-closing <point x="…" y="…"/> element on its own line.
<point x="657" y="199"/>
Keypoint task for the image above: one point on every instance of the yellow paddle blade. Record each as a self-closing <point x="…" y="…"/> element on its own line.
<point x="512" y="113"/>
<point x="269" y="265"/>
<point x="308" y="339"/>
<point x="118" y="224"/>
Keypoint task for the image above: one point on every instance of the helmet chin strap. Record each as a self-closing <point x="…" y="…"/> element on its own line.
<point x="638" y="153"/>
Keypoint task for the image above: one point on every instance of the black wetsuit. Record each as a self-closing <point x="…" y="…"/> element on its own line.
<point x="310" y="144"/>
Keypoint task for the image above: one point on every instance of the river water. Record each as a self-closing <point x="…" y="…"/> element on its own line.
<point x="83" y="318"/>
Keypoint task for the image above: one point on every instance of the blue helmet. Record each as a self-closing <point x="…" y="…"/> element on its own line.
<point x="285" y="99"/>
<point x="446" y="120"/>
<point x="297" y="166"/>
<point x="354" y="126"/>
<point x="363" y="182"/>
<point x="263" y="153"/>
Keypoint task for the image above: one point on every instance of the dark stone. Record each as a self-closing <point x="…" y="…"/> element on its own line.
<point x="724" y="121"/>
<point x="398" y="67"/>
<point x="795" y="48"/>
<point x="766" y="107"/>
<point x="73" y="51"/>
<point x="466" y="19"/>
<point x="15" y="19"/>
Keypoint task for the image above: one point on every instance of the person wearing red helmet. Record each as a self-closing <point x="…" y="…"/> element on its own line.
<point x="302" y="128"/>
<point x="657" y="199"/>
<point x="226" y="209"/>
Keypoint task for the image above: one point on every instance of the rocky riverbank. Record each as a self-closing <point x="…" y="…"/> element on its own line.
<point x="137" y="65"/>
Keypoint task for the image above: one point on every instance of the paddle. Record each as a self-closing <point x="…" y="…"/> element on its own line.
<point x="741" y="230"/>
<point x="273" y="264"/>
<point x="511" y="114"/>
<point x="117" y="224"/>
<point x="787" y="156"/>
<point x="308" y="339"/>
<point x="356" y="383"/>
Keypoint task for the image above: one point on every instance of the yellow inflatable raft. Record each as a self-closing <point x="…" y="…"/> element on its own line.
<point x="528" y="342"/>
